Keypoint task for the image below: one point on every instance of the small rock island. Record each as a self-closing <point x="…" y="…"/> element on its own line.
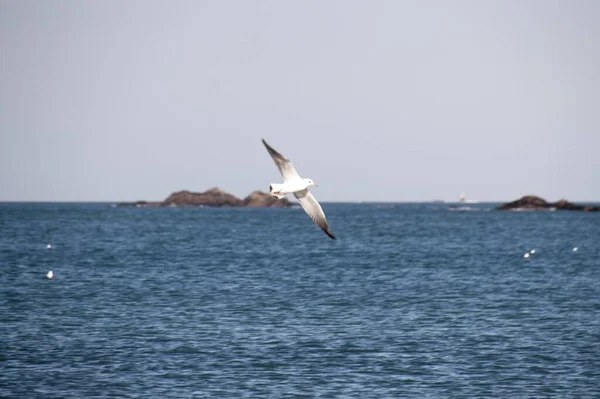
<point x="214" y="197"/>
<point x="531" y="202"/>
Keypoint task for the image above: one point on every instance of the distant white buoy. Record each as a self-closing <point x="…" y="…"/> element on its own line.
<point x="575" y="249"/>
<point x="49" y="246"/>
<point x="50" y="274"/>
<point x="526" y="255"/>
<point x="532" y="251"/>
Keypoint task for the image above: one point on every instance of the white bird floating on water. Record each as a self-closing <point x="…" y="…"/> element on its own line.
<point x="50" y="274"/>
<point x="526" y="255"/>
<point x="49" y="246"/>
<point x="575" y="249"/>
<point x="294" y="184"/>
<point x="532" y="251"/>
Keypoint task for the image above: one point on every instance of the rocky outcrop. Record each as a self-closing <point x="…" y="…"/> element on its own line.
<point x="526" y="202"/>
<point x="259" y="199"/>
<point x="214" y="197"/>
<point x="536" y="203"/>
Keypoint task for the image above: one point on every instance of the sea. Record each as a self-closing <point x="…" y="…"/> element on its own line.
<point x="413" y="300"/>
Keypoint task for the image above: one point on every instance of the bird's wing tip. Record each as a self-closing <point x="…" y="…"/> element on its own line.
<point x="267" y="145"/>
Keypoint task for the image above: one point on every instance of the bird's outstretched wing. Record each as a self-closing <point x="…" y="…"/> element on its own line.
<point x="285" y="166"/>
<point x="314" y="210"/>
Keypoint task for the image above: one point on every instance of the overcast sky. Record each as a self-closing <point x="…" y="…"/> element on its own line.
<point x="373" y="100"/>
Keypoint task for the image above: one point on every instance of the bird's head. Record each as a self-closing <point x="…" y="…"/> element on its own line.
<point x="309" y="183"/>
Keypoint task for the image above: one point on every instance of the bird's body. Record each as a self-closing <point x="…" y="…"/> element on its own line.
<point x="294" y="184"/>
<point x="290" y="187"/>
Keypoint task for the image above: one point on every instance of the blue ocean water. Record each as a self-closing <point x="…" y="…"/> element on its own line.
<point x="412" y="300"/>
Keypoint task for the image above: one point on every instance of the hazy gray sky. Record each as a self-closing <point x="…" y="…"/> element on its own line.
<point x="374" y="100"/>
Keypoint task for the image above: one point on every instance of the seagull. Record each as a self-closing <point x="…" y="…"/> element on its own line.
<point x="294" y="184"/>
<point x="50" y="274"/>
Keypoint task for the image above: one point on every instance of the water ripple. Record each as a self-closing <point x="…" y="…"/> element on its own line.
<point x="411" y="301"/>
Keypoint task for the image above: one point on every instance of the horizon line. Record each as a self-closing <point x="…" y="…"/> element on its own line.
<point x="322" y="201"/>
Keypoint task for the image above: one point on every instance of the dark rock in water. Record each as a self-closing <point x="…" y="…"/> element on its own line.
<point x="591" y="208"/>
<point x="213" y="197"/>
<point x="533" y="202"/>
<point x="569" y="206"/>
<point x="526" y="202"/>
<point x="263" y="200"/>
<point x="564" y="204"/>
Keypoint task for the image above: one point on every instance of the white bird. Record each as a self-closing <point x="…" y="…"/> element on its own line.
<point x="49" y="246"/>
<point x="50" y="274"/>
<point x="294" y="184"/>
<point x="532" y="251"/>
<point x="526" y="255"/>
<point x="575" y="249"/>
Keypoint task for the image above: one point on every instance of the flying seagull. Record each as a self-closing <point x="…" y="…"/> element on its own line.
<point x="293" y="183"/>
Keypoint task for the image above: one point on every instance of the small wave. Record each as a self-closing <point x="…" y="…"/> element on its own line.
<point x="532" y="209"/>
<point x="464" y="208"/>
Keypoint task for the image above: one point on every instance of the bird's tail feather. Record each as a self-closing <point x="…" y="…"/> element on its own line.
<point x="274" y="190"/>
